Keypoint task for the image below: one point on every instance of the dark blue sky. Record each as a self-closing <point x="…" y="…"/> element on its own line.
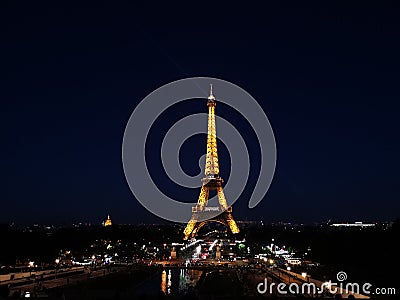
<point x="327" y="77"/>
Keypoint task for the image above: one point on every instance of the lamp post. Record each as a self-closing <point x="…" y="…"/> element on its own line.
<point x="57" y="261"/>
<point x="31" y="265"/>
<point x="288" y="274"/>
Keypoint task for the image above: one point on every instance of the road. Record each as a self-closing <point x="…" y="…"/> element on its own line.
<point x="62" y="281"/>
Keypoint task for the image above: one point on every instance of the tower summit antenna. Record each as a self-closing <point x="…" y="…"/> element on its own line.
<point x="211" y="97"/>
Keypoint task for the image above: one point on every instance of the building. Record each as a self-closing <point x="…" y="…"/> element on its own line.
<point x="107" y="222"/>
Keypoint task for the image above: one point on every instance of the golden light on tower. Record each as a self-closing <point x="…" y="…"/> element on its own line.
<point x="211" y="181"/>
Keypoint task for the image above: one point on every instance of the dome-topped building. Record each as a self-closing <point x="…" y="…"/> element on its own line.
<point x="107" y="222"/>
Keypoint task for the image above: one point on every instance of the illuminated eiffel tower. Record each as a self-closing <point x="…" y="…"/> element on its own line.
<point x="211" y="181"/>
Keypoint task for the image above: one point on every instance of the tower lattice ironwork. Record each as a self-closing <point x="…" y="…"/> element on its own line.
<point x="211" y="181"/>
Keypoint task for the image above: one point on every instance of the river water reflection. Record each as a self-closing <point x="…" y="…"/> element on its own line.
<point x="170" y="282"/>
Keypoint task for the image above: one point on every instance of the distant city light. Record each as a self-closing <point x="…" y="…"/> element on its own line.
<point x="355" y="224"/>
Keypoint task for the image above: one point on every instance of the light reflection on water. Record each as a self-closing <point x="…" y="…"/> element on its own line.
<point x="170" y="282"/>
<point x="164" y="282"/>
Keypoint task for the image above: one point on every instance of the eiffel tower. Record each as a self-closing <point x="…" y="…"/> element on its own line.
<point x="201" y="213"/>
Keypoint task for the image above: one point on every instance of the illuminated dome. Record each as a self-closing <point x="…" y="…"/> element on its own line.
<point x="107" y="222"/>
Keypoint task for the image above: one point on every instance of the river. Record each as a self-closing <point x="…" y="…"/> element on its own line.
<point x="170" y="282"/>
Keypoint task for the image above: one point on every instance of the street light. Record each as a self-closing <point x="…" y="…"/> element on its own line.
<point x="31" y="265"/>
<point x="57" y="261"/>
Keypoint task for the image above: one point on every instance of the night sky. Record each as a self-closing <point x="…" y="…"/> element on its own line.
<point x="327" y="78"/>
